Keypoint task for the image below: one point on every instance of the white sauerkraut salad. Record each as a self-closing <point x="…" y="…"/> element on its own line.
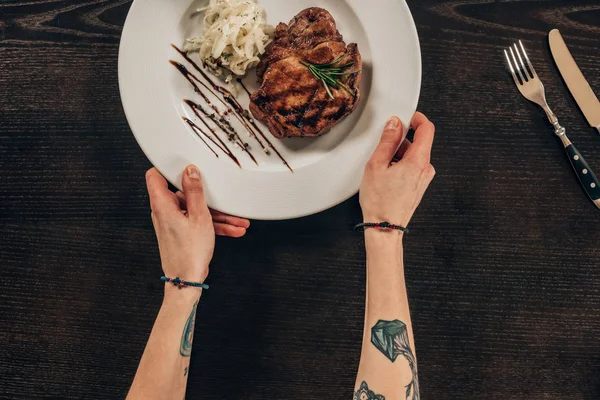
<point x="234" y="35"/>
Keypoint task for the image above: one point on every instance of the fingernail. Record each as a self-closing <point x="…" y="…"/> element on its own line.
<point x="193" y="172"/>
<point x="392" y="123"/>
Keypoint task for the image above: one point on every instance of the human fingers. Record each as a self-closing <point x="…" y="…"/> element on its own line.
<point x="388" y="144"/>
<point x="229" y="230"/>
<point x="194" y="193"/>
<point x="161" y="198"/>
<point x="181" y="199"/>
<point x="218" y="216"/>
<point x="402" y="149"/>
<point x="422" y="140"/>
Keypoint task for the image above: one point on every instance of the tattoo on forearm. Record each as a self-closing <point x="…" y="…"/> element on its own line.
<point x="188" y="334"/>
<point x="391" y="338"/>
<point x="185" y="371"/>
<point x="363" y="393"/>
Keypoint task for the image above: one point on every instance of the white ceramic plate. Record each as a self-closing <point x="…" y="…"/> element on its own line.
<point x="328" y="169"/>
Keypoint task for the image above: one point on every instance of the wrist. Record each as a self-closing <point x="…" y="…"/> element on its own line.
<point x="181" y="295"/>
<point x="398" y="220"/>
<point x="384" y="236"/>
<point x="196" y="272"/>
<point x="384" y="251"/>
<point x="383" y="242"/>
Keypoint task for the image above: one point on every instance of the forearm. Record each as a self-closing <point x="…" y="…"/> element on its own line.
<point x="163" y="370"/>
<point x="388" y="364"/>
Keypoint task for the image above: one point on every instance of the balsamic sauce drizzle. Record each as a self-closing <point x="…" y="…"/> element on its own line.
<point x="200" y="132"/>
<point x="224" y="93"/>
<point x="220" y="145"/>
<point x="214" y="116"/>
<point x="241" y="114"/>
<point x="231" y="136"/>
<point x="244" y="86"/>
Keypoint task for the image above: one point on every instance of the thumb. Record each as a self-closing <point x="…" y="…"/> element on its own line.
<point x="389" y="143"/>
<point x="194" y="192"/>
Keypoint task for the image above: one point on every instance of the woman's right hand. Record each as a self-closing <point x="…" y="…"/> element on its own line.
<point x="185" y="227"/>
<point x="398" y="174"/>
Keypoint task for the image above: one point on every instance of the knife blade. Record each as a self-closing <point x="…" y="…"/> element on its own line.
<point x="576" y="82"/>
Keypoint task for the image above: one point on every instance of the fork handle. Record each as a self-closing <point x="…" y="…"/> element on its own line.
<point x="585" y="174"/>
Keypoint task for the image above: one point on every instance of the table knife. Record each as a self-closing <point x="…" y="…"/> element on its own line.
<point x="576" y="82"/>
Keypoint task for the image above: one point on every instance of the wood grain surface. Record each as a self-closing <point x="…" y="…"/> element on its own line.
<point x="502" y="263"/>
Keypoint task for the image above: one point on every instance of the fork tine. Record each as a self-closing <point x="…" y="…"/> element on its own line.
<point x="527" y="59"/>
<point x="528" y="74"/>
<point x="512" y="70"/>
<point x="512" y="53"/>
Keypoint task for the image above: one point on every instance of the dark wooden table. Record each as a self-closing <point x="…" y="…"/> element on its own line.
<point x="503" y="266"/>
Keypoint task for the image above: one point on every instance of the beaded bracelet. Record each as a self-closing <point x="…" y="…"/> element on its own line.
<point x="381" y="225"/>
<point x="180" y="282"/>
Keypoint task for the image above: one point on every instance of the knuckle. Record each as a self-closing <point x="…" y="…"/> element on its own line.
<point x="389" y="135"/>
<point x="371" y="165"/>
<point x="156" y="215"/>
<point x="149" y="173"/>
<point x="196" y="189"/>
<point x="430" y="171"/>
<point x="415" y="162"/>
<point x="157" y="212"/>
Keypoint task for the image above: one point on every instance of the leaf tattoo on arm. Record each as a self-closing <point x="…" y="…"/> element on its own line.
<point x="187" y="337"/>
<point x="391" y="338"/>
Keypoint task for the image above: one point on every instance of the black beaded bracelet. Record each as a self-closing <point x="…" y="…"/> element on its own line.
<point x="380" y="225"/>
<point x="180" y="282"/>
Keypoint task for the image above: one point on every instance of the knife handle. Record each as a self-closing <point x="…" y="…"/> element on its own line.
<point x="585" y="174"/>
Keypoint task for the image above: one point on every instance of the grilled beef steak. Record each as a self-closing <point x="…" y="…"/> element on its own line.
<point x="291" y="100"/>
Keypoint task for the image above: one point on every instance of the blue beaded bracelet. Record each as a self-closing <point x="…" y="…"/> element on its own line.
<point x="180" y="282"/>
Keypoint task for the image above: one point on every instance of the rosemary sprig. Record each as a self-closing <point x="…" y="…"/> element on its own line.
<point x="330" y="74"/>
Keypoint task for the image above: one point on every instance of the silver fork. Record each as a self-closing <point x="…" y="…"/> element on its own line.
<point x="531" y="87"/>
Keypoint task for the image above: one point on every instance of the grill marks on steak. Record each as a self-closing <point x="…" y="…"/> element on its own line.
<point x="291" y="101"/>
